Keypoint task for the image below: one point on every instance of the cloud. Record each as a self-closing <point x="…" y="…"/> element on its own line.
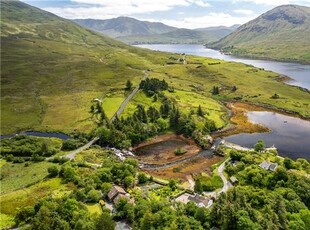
<point x="211" y="19"/>
<point x="266" y="2"/>
<point x="245" y="12"/>
<point x="103" y="9"/>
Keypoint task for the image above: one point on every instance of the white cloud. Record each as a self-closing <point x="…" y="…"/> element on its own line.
<point x="102" y="9"/>
<point x="211" y="19"/>
<point x="272" y="2"/>
<point x="245" y="12"/>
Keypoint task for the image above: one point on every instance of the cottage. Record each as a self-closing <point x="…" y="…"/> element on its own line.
<point x="273" y="167"/>
<point x="115" y="191"/>
<point x="268" y="166"/>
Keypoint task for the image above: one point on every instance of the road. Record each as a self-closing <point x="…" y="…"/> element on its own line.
<point x="131" y="95"/>
<point x="220" y="170"/>
<point x="72" y="154"/>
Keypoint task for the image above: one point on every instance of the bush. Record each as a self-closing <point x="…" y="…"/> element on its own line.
<point x="53" y="171"/>
<point x="180" y="151"/>
<point x="142" y="178"/>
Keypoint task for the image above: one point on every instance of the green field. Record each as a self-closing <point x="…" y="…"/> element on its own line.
<point x="19" y="175"/>
<point x="11" y="202"/>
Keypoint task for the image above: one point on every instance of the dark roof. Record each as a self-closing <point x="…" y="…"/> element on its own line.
<point x="115" y="191"/>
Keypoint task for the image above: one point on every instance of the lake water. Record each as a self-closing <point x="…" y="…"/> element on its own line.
<point x="290" y="135"/>
<point x="300" y="73"/>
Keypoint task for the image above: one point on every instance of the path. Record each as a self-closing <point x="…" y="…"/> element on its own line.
<point x="72" y="154"/>
<point x="130" y="96"/>
<point x="220" y="170"/>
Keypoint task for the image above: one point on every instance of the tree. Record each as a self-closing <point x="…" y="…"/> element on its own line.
<point x="259" y="146"/>
<point x="172" y="184"/>
<point x="53" y="171"/>
<point x="105" y="222"/>
<point x="128" y="85"/>
<point x="129" y="181"/>
<point x="215" y="90"/>
<point x="94" y="195"/>
<point x="200" y="112"/>
<point x="142" y="178"/>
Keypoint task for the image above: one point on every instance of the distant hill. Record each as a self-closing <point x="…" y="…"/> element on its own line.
<point x="282" y="33"/>
<point x="124" y="26"/>
<point x="133" y="31"/>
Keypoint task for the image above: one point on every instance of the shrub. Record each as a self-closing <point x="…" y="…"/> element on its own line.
<point x="180" y="151"/>
<point x="53" y="171"/>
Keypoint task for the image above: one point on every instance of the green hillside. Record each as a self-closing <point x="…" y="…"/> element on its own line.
<point x="280" y="34"/>
<point x="52" y="69"/>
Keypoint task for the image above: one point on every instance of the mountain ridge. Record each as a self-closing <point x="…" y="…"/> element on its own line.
<point x="280" y="34"/>
<point x="134" y="31"/>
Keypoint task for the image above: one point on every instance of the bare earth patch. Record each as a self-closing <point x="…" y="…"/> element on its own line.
<point x="161" y="149"/>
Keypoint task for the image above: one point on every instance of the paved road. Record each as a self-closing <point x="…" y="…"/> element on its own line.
<point x="220" y="170"/>
<point x="126" y="101"/>
<point x="72" y="154"/>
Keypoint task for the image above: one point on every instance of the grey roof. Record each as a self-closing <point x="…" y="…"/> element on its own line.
<point x="233" y="179"/>
<point x="273" y="166"/>
<point x="265" y="165"/>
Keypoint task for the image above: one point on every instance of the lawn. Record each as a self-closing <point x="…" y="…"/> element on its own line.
<point x="18" y="175"/>
<point x="93" y="208"/>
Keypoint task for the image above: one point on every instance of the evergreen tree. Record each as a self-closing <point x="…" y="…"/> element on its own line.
<point x="128" y="85"/>
<point x="200" y="112"/>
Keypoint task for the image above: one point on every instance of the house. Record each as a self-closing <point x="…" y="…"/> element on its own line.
<point x="268" y="166"/>
<point x="200" y="201"/>
<point x="273" y="167"/>
<point x="233" y="180"/>
<point x="115" y="191"/>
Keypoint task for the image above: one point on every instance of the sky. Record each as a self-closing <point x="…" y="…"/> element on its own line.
<point x="190" y="14"/>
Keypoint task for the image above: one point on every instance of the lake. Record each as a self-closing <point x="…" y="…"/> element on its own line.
<point x="290" y="135"/>
<point x="298" y="72"/>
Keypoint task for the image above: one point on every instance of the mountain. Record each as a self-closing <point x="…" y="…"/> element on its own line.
<point x="133" y="31"/>
<point x="281" y="34"/>
<point x="51" y="69"/>
<point x="124" y="26"/>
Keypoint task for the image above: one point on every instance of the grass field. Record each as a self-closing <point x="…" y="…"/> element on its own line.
<point x="96" y="156"/>
<point x="94" y="208"/>
<point x="18" y="175"/>
<point x="11" y="202"/>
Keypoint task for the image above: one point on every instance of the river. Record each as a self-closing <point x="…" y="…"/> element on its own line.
<point x="298" y="72"/>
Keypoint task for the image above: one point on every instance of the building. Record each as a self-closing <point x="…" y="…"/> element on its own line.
<point x="200" y="201"/>
<point x="233" y="180"/>
<point x="268" y="166"/>
<point x="115" y="191"/>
